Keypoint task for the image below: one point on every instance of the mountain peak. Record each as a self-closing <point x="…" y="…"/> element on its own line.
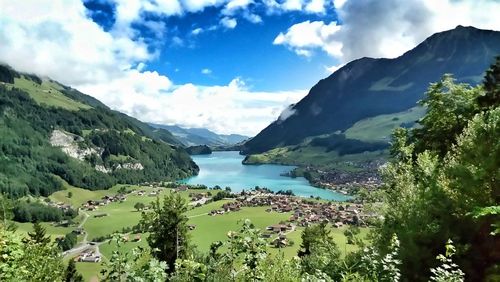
<point x="369" y="87"/>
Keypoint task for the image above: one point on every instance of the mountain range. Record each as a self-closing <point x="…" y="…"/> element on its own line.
<point x="369" y="90"/>
<point x="201" y="136"/>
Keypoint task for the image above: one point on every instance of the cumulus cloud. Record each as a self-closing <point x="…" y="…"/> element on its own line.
<point x="386" y="28"/>
<point x="55" y="38"/>
<point x="307" y="36"/>
<point x="226" y="109"/>
<point x="229" y="23"/>
<point x="316" y="6"/>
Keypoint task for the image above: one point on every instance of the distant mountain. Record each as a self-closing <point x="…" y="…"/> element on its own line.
<point x="51" y="134"/>
<point x="202" y="136"/>
<point x="369" y="87"/>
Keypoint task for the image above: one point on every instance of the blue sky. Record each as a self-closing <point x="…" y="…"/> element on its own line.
<point x="232" y="66"/>
<point x="245" y="51"/>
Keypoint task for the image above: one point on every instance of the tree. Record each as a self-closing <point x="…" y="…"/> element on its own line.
<point x="71" y="274"/>
<point x="491" y="97"/>
<point x="38" y="235"/>
<point x="350" y="233"/>
<point x="27" y="260"/>
<point x="442" y="183"/>
<point x="68" y="242"/>
<point x="450" y="107"/>
<point x="167" y="227"/>
<point x="136" y="265"/>
<point x="139" y="206"/>
<point x="70" y="194"/>
<point x="313" y="234"/>
<point x="319" y="253"/>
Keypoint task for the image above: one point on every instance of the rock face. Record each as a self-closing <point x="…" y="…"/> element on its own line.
<point x="131" y="166"/>
<point x="68" y="143"/>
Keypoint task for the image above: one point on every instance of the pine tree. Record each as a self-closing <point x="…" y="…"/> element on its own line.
<point x="71" y="274"/>
<point x="39" y="234"/>
<point x="167" y="225"/>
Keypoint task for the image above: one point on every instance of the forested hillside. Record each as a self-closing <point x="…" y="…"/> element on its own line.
<point x="50" y="132"/>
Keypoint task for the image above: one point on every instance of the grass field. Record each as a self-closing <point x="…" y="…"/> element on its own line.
<point x="306" y="155"/>
<point x="48" y="93"/>
<point x="379" y="128"/>
<point x="80" y="195"/>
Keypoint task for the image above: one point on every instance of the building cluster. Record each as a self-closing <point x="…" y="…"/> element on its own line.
<point x="89" y="256"/>
<point x="92" y="205"/>
<point x="62" y="206"/>
<point x="348" y="183"/>
<point x="303" y="211"/>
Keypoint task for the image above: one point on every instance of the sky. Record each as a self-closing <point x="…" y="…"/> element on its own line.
<point x="232" y="66"/>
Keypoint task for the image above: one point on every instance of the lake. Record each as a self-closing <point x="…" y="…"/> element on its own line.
<point x="226" y="170"/>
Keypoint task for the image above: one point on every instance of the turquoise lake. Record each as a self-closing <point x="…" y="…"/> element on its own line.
<point x="225" y="169"/>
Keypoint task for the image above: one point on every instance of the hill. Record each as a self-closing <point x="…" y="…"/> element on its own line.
<point x="202" y="136"/>
<point x="367" y="91"/>
<point x="50" y="132"/>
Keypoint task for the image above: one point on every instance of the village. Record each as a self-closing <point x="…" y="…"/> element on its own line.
<point x="303" y="211"/>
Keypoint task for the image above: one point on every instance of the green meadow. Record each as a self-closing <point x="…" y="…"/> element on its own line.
<point x="48" y="94"/>
<point x="208" y="229"/>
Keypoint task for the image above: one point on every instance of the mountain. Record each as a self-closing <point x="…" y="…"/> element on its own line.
<point x="368" y="88"/>
<point x="202" y="136"/>
<point x="51" y="134"/>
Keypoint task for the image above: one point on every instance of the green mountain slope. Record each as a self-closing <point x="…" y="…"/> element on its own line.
<point x="49" y="131"/>
<point x="367" y="88"/>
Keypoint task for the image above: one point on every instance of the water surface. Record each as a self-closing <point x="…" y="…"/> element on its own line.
<point x="225" y="169"/>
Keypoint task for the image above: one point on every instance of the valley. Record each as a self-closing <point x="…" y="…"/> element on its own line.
<point x="376" y="174"/>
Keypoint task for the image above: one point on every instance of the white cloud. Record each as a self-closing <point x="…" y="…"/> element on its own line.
<point x="332" y="69"/>
<point x="228" y="22"/>
<point x="388" y="28"/>
<point x="197" y="31"/>
<point x="286" y="113"/>
<point x="55" y="38"/>
<point x="292" y="5"/>
<point x="234" y="5"/>
<point x="226" y="109"/>
<point x="307" y="36"/>
<point x="253" y="18"/>
<point x="316" y="6"/>
<point x="206" y="71"/>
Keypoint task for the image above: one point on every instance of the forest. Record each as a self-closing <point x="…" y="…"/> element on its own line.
<point x="29" y="165"/>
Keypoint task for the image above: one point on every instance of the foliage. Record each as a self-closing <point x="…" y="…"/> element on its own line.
<point x="448" y="271"/>
<point x="34" y="211"/>
<point x="167" y="227"/>
<point x="71" y="274"/>
<point x="38" y="235"/>
<point x="27" y="260"/>
<point x="68" y="242"/>
<point x="137" y="265"/>
<point x="443" y="182"/>
<point x="139" y="206"/>
<point x="29" y="164"/>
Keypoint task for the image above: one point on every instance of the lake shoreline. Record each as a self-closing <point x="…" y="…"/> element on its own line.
<point x="226" y="168"/>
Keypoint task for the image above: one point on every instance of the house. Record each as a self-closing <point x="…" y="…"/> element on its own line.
<point x="277" y="228"/>
<point x="280" y="242"/>
<point x="338" y="224"/>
